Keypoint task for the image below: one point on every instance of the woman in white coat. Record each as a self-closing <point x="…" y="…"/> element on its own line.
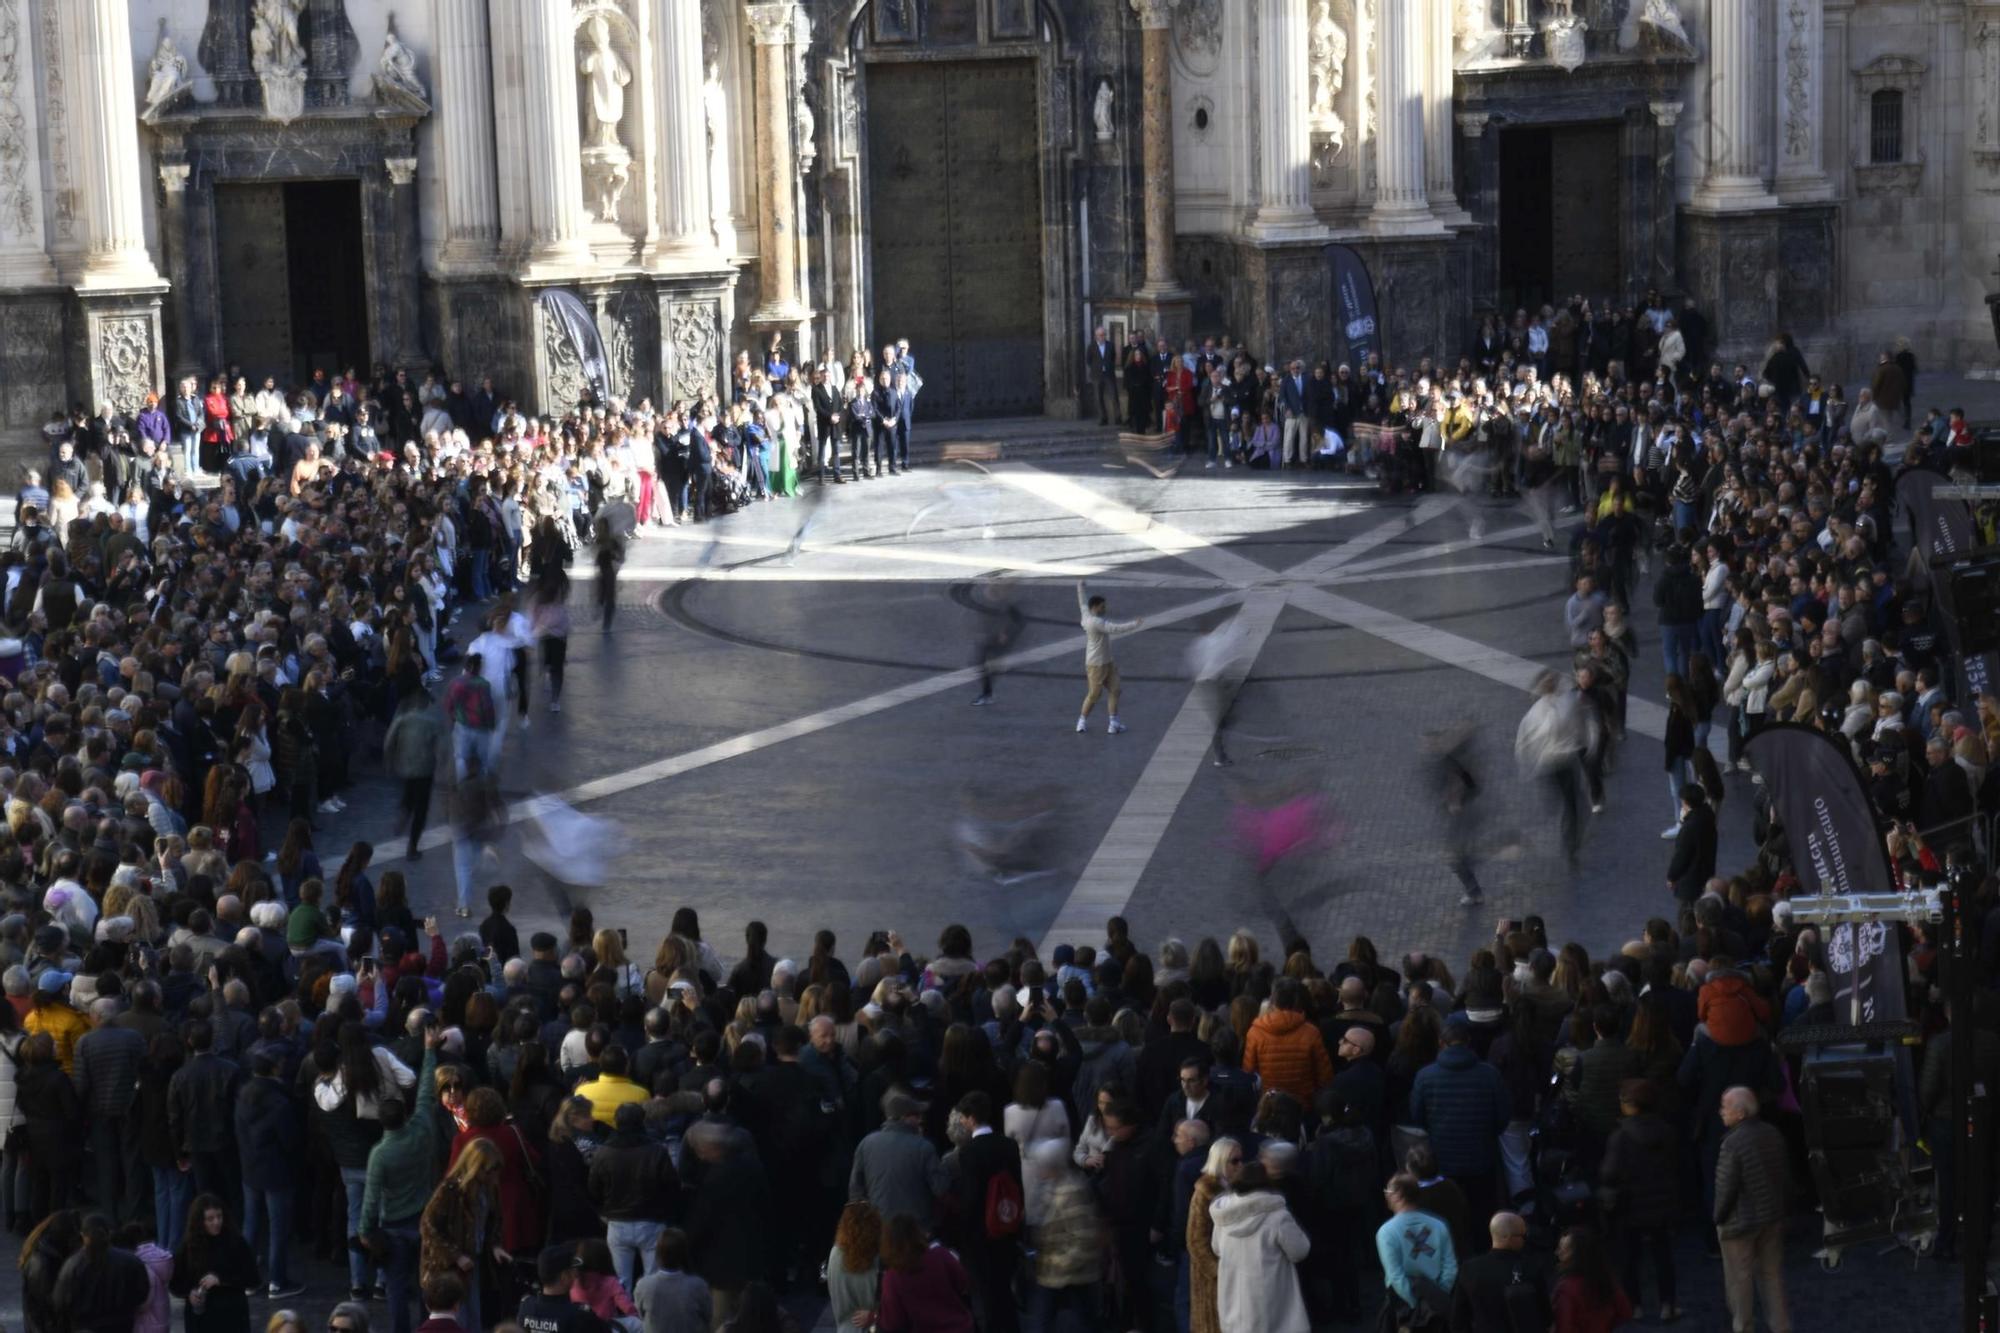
<point x="1258" y="1246"/>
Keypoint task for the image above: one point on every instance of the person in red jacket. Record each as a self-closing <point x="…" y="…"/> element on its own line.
<point x="1284" y="1049"/>
<point x="1733" y="1012"/>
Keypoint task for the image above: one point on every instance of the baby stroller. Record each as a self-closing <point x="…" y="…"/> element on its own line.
<point x="1561" y="1195"/>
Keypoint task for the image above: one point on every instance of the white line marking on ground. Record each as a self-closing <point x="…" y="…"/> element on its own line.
<point x="1641" y="716"/>
<point x="1198" y="551"/>
<point x="1430" y="507"/>
<point x="735" y="747"/>
<point x="1484" y="567"/>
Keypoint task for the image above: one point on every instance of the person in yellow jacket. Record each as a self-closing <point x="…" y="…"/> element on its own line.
<point x="52" y="1014"/>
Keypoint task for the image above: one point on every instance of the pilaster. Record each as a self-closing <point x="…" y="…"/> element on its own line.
<point x="466" y="147"/>
<point x="1167" y="304"/>
<point x="1284" y="206"/>
<point x="1738" y="92"/>
<point x="1401" y="200"/>
<point x="107" y="144"/>
<point x="557" y="223"/>
<point x="687" y="230"/>
<point x="1801" y="102"/>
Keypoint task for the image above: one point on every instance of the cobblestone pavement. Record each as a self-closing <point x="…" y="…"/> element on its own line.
<point x="787" y="737"/>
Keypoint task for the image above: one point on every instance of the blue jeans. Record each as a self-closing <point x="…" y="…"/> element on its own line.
<point x="464" y="863"/>
<point x="1684" y="516"/>
<point x="1710" y="635"/>
<point x="468" y="744"/>
<point x="1677" y="645"/>
<point x="173" y="1191"/>
<point x="355" y="1180"/>
<point x="267" y="1225"/>
<point x="632" y="1249"/>
<point x="404" y="1246"/>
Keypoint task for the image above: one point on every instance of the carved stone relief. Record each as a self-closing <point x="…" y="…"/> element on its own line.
<point x="1198" y="36"/>
<point x="17" y="191"/>
<point x="124" y="355"/>
<point x="477" y="325"/>
<point x="31" y="368"/>
<point x="694" y="337"/>
<point x="1798" y="78"/>
<point x="55" y="115"/>
<point x="563" y="371"/>
<point x="628" y="327"/>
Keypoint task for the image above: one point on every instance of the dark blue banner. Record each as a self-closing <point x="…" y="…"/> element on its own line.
<point x="1354" y="305"/>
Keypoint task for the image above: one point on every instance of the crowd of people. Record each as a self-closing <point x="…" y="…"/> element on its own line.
<point x="218" y="1060"/>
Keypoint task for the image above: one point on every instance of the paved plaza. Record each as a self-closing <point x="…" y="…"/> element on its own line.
<point x="787" y="735"/>
<point x="790" y="737"/>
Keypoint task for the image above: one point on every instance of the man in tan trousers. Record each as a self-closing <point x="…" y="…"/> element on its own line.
<point x="1098" y="668"/>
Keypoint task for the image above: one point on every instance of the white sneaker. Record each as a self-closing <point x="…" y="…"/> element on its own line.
<point x="1673" y="832"/>
<point x="1596" y="807"/>
<point x="328" y="808"/>
<point x="1209" y="464"/>
<point x="1115" y="727"/>
<point x="1082" y="725"/>
<point x="1227" y="463"/>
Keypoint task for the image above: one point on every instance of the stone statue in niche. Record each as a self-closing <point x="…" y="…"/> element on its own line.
<point x="715" y="118"/>
<point x="1326" y="56"/>
<point x="274" y="36"/>
<point x="894" y="19"/>
<point x="1662" y="18"/>
<point x="807" y="127"/>
<point x="607" y="166"/>
<point x="1101" y="112"/>
<point x="396" y="81"/>
<point x="606" y="76"/>
<point x="278" y="58"/>
<point x="168" y="82"/>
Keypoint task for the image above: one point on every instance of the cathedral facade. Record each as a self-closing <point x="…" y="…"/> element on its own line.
<point x="284" y="185"/>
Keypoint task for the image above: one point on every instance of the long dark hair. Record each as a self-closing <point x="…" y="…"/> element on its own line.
<point x="358" y="1069"/>
<point x="1588" y="1261"/>
<point x="195" y="1240"/>
<point x="358" y="857"/>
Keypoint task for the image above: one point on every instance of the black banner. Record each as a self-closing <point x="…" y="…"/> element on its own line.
<point x="1941" y="529"/>
<point x="1354" y="305"/>
<point x="1836" y="847"/>
<point x="585" y="342"/>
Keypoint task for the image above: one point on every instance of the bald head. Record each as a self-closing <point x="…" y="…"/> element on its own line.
<point x="1362" y="1040"/>
<point x="1509" y="1232"/>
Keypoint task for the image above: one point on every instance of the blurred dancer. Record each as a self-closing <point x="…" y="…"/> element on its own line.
<point x="1549" y="744"/>
<point x="1451" y="770"/>
<point x="478" y="815"/>
<point x="551" y="629"/>
<point x="1005" y="835"/>
<point x="610" y="555"/>
<point x="1002" y="625"/>
<point x="1218" y="663"/>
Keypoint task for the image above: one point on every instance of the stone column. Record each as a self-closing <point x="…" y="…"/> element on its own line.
<point x="554" y="158"/>
<point x="180" y="279"/>
<point x="464" y="78"/>
<point x="686" y="226"/>
<point x="1440" y="133"/>
<point x="24" y="247"/>
<point x="1666" y="200"/>
<point x="1801" y="105"/>
<point x="401" y="337"/>
<point x="1736" y="97"/>
<point x="1481" y="133"/>
<point x="779" y="306"/>
<point x="109" y="183"/>
<point x="1284" y="202"/>
<point x="1401" y="202"/>
<point x="1155" y="38"/>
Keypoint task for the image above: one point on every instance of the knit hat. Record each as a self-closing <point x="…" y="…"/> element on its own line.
<point x="341" y="983"/>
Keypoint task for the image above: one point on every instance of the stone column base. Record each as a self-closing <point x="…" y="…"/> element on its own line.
<point x="696" y="312"/>
<point x="1755" y="273"/>
<point x="476" y="325"/>
<point x="1168" y="312"/>
<point x="116" y="350"/>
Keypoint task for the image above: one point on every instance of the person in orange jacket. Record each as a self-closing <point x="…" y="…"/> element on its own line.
<point x="1284" y="1049"/>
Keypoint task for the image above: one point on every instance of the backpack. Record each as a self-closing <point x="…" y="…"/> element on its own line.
<point x="1003" y="1206"/>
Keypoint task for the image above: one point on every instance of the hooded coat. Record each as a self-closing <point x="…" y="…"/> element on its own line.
<point x="1258" y="1247"/>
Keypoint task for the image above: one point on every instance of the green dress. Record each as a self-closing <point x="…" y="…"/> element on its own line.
<point x="784" y="472"/>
